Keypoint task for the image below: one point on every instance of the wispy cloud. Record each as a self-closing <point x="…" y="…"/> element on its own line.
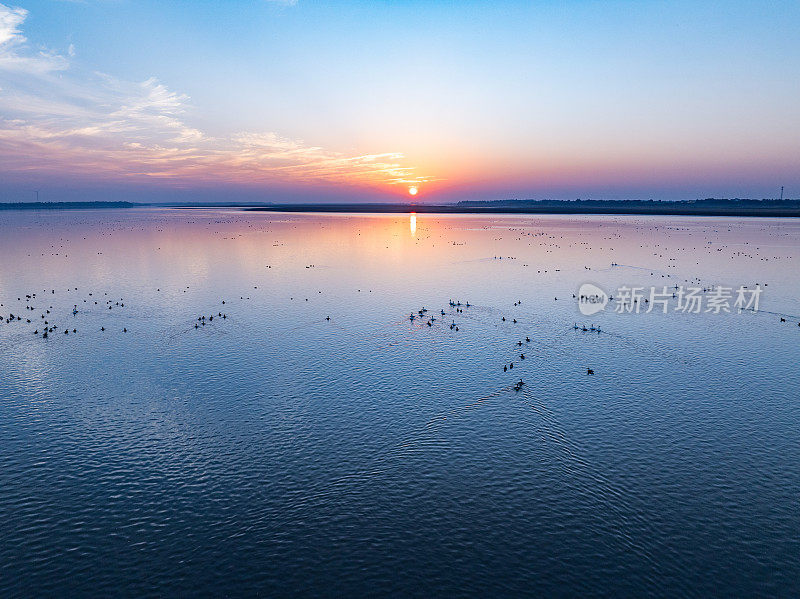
<point x="95" y="125"/>
<point x="15" y="54"/>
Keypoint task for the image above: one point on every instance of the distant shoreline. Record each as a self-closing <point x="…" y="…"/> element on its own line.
<point x="786" y="208"/>
<point x="709" y="207"/>
<point x="65" y="205"/>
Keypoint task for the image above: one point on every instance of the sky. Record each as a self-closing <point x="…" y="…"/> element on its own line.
<point x="304" y="101"/>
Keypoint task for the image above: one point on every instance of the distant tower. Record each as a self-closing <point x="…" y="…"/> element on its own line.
<point x="781" y="192"/>
<point x="37" y="195"/>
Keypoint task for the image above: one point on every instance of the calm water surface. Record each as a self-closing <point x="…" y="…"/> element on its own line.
<point x="277" y="452"/>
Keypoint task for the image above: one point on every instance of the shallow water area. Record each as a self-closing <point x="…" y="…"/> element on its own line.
<point x="315" y="438"/>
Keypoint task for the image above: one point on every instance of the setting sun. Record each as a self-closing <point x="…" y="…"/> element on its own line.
<point x="412" y="190"/>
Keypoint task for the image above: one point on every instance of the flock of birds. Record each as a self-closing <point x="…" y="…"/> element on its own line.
<point x="35" y="310"/>
<point x="202" y="319"/>
<point x="44" y="325"/>
<point x="422" y="313"/>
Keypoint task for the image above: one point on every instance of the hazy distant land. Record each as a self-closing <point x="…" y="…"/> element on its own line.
<point x="64" y="205"/>
<point x="706" y="207"/>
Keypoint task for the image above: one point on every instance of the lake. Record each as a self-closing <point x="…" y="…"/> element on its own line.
<point x="331" y="432"/>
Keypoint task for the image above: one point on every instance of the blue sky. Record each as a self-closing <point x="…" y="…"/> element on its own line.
<point x="363" y="100"/>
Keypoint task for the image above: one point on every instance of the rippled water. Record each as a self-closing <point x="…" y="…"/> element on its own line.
<point x="277" y="452"/>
